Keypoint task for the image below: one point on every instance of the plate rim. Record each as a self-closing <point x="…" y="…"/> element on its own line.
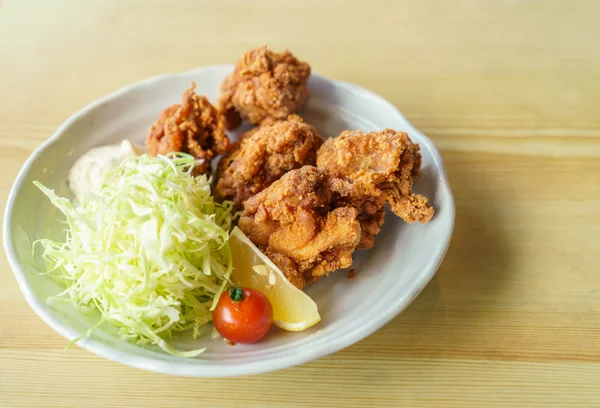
<point x="212" y="368"/>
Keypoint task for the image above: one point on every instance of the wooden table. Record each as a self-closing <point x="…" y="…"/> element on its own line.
<point x="509" y="91"/>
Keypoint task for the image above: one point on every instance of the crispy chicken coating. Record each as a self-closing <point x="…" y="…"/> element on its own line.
<point x="264" y="155"/>
<point x="264" y="84"/>
<point x="369" y="170"/>
<point x="193" y="127"/>
<point x="293" y="223"/>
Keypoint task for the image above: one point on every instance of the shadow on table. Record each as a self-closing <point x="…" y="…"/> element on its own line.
<point x="475" y="271"/>
<point x="450" y="316"/>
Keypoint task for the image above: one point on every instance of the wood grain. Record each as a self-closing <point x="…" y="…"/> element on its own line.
<point x="509" y="91"/>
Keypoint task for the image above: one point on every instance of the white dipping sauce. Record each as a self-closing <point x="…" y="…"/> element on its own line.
<point x="87" y="174"/>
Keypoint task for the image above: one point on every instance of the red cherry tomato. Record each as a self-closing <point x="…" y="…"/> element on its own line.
<point x="243" y="315"/>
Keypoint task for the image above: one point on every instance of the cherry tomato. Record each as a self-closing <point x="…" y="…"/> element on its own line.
<point x="243" y="315"/>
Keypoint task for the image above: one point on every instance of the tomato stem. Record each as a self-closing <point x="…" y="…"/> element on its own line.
<point x="236" y="294"/>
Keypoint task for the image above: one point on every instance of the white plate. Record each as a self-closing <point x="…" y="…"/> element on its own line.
<point x="389" y="276"/>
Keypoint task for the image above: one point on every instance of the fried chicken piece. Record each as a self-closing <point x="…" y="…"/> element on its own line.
<point x="293" y="223"/>
<point x="264" y="155"/>
<point x="369" y="170"/>
<point x="264" y="84"/>
<point x="265" y="123"/>
<point x="270" y="121"/>
<point x="194" y="127"/>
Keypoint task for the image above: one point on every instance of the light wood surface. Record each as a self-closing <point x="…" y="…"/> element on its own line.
<point x="510" y="92"/>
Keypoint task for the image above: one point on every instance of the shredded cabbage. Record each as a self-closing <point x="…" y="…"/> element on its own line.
<point x="149" y="250"/>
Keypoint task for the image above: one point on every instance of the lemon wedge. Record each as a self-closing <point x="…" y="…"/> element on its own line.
<point x="293" y="309"/>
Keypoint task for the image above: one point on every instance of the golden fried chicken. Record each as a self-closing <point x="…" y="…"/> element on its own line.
<point x="264" y="155"/>
<point x="270" y="121"/>
<point x="293" y="223"/>
<point x="194" y="127"/>
<point x="264" y="84"/>
<point x="369" y="170"/>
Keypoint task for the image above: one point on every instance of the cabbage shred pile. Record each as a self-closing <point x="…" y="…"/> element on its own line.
<point x="148" y="250"/>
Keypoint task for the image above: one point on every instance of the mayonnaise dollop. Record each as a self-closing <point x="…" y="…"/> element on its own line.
<point x="87" y="174"/>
